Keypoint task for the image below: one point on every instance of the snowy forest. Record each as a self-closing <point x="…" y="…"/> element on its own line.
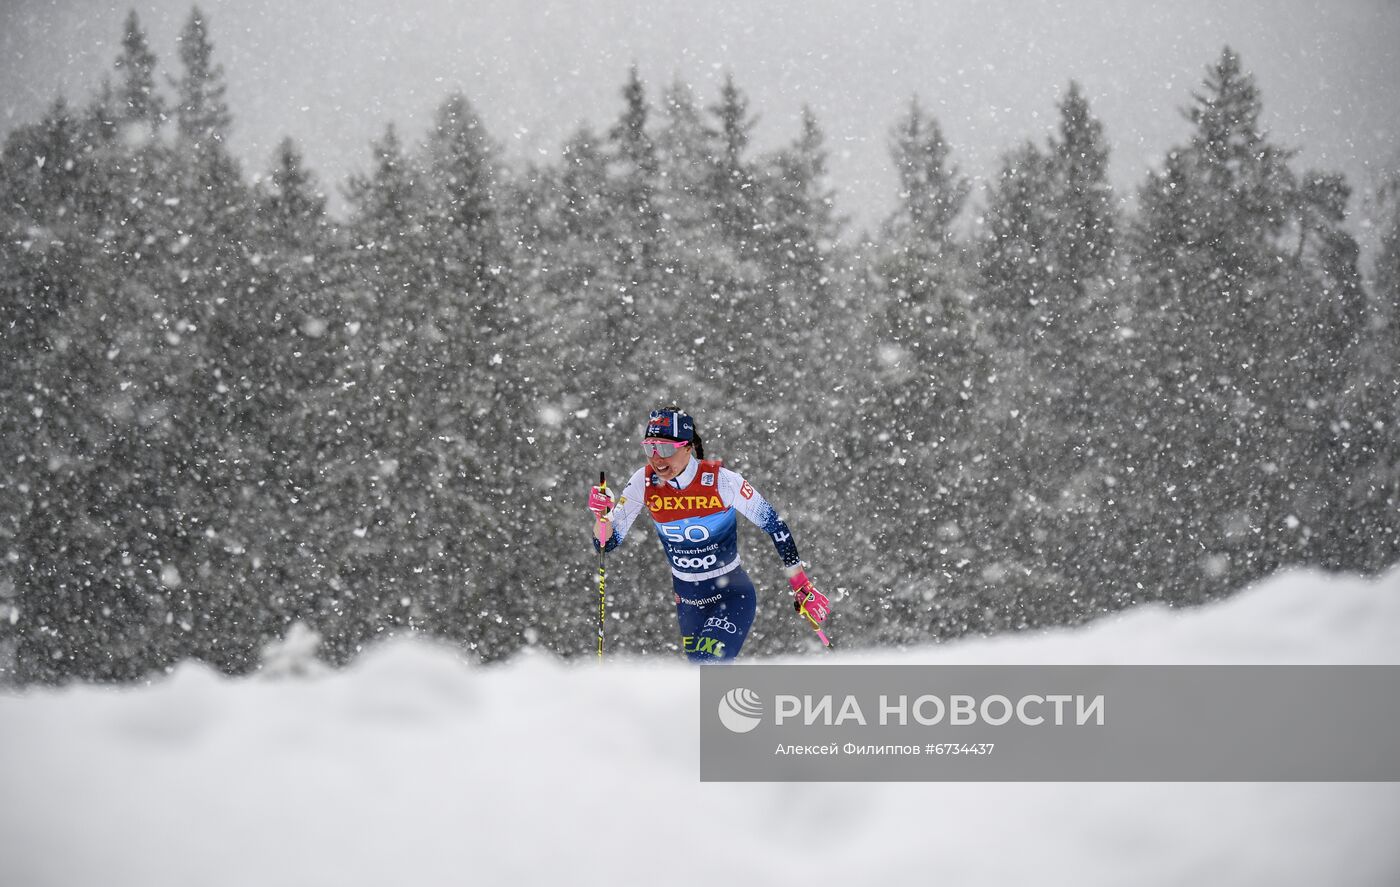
<point x="228" y="410"/>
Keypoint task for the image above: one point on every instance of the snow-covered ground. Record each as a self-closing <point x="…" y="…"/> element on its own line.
<point x="414" y="768"/>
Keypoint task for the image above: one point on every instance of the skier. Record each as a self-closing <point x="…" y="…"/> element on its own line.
<point x="692" y="502"/>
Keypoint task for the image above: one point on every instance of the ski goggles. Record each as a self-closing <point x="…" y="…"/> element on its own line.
<point x="654" y="446"/>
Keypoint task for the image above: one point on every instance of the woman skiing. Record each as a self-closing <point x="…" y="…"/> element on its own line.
<point x="692" y="502"/>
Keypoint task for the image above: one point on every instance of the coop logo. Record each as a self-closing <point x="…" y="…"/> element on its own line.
<point x="740" y="710"/>
<point x="695" y="563"/>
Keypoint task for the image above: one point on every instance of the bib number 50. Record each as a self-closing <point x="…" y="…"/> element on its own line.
<point x="690" y="533"/>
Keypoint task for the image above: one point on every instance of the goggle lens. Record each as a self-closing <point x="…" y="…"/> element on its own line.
<point x="663" y="448"/>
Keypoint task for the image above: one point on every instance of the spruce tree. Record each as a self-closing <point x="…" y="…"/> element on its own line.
<point x="301" y="339"/>
<point x="1366" y="529"/>
<point x="635" y="171"/>
<point x="635" y="312"/>
<point x="464" y="387"/>
<point x="686" y="152"/>
<point x="1086" y="201"/>
<point x="1046" y="261"/>
<point x="732" y="191"/>
<point x="391" y="266"/>
<point x="932" y="192"/>
<point x="930" y="371"/>
<point x="137" y="101"/>
<point x="1241" y="335"/>
<point x="1019" y="262"/>
<point x="46" y="400"/>
<point x="698" y="256"/>
<point x="209" y="372"/>
<point x="801" y="226"/>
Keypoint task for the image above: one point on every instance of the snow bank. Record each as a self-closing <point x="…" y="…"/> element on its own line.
<point x="414" y="768"/>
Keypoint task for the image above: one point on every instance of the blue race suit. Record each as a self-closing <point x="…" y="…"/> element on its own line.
<point x="694" y="515"/>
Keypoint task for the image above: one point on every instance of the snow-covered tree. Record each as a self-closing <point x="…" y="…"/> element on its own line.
<point x="1050" y="300"/>
<point x="732" y="191"/>
<point x="912" y="427"/>
<point x="932" y="192"/>
<point x="800" y="223"/>
<point x="634" y="170"/>
<point x="138" y="103"/>
<point x="1240" y="331"/>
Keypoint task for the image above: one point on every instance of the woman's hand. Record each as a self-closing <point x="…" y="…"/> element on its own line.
<point x="600" y="502"/>
<point x="810" y="603"/>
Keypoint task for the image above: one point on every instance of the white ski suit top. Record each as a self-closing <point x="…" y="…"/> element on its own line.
<point x="694" y="518"/>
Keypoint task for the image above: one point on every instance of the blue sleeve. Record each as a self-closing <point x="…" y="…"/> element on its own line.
<point x="783" y="541"/>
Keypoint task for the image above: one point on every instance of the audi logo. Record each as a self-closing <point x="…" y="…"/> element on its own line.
<point x="695" y="563"/>
<point x="721" y="623"/>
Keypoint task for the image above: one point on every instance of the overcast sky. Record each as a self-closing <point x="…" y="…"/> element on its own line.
<point x="332" y="75"/>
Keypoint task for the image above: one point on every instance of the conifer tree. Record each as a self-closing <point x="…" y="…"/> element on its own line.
<point x="391" y="266"/>
<point x="137" y="101"/>
<point x="932" y="192"/>
<point x="205" y="371"/>
<point x="201" y="109"/>
<point x="686" y="152"/>
<point x="142" y="199"/>
<point x="1366" y="529"/>
<point x="920" y="262"/>
<point x="732" y="191"/>
<point x="930" y="368"/>
<point x="1387" y="262"/>
<point x="797" y="234"/>
<point x="1088" y="221"/>
<point x="43" y="400"/>
<point x="1045" y="268"/>
<point x="634" y="312"/>
<point x="302" y="340"/>
<point x="291" y="201"/>
<point x="801" y="225"/>
<point x="635" y="171"/>
<point x="1240" y="334"/>
<point x="209" y="206"/>
<point x="580" y="278"/>
<point x="1019" y="261"/>
<point x="698" y="257"/>
<point x="386" y="202"/>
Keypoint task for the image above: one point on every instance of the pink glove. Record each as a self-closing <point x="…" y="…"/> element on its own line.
<point x="600" y="502"/>
<point x="809" y="602"/>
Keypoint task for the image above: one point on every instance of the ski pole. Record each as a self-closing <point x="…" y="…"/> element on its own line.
<point x="602" y="579"/>
<point x="826" y="641"/>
